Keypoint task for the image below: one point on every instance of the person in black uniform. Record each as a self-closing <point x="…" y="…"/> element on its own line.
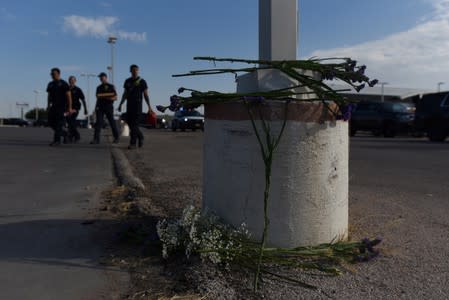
<point x="77" y="98"/>
<point x="135" y="89"/>
<point x="106" y="95"/>
<point x="59" y="106"/>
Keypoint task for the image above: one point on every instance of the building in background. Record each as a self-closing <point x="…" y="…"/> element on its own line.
<point x="393" y="94"/>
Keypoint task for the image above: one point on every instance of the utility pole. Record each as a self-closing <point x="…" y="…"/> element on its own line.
<point x="36" y="92"/>
<point x="21" y="106"/>
<point x="383" y="84"/>
<point x="88" y="77"/>
<point x="112" y="40"/>
<point x="439" y="86"/>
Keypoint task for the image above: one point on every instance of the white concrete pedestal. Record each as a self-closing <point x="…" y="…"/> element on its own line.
<point x="309" y="194"/>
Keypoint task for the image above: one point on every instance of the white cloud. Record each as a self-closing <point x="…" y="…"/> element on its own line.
<point x="418" y="57"/>
<point x="105" y="4"/>
<point x="41" y="32"/>
<point x="6" y="15"/>
<point x="71" y="68"/>
<point x="100" y="27"/>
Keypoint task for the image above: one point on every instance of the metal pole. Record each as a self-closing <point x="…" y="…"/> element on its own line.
<point x="112" y="40"/>
<point x="383" y="91"/>
<point x="37" y="109"/>
<point x="88" y="77"/>
<point x="36" y="92"/>
<point x="22" y="106"/>
<point x="439" y="86"/>
<point x="112" y="62"/>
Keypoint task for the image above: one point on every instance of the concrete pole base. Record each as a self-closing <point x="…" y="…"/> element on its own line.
<point x="309" y="194"/>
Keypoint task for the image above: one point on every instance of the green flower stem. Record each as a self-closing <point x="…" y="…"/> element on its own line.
<point x="267" y="149"/>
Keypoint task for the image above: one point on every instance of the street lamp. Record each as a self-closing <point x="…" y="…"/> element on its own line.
<point x="88" y="77"/>
<point x="109" y="71"/>
<point x="36" y="92"/>
<point x="383" y="84"/>
<point x="439" y="86"/>
<point x="111" y="41"/>
<point x="21" y="105"/>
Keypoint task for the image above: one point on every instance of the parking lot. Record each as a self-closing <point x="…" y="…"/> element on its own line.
<point x="398" y="191"/>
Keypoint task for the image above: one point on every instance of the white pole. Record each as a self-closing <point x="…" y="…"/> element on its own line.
<point x="278" y="29"/>
<point x="112" y="40"/>
<point x="112" y="62"/>
<point x="88" y="77"/>
<point x="383" y="91"/>
<point x="36" y="92"/>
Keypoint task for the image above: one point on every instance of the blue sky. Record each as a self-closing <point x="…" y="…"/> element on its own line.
<point x="401" y="41"/>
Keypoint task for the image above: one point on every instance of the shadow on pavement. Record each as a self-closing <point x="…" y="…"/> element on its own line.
<point x="58" y="242"/>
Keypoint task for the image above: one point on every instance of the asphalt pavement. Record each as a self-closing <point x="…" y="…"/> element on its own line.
<point x="398" y="190"/>
<point x="46" y="252"/>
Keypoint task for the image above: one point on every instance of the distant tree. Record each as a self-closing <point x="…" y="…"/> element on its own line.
<point x="43" y="114"/>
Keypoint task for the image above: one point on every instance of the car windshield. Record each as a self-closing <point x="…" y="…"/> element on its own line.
<point x="398" y="107"/>
<point x="361" y="107"/>
<point x="191" y="113"/>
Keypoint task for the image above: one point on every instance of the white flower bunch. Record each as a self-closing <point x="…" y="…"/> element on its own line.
<point x="168" y="233"/>
<point x="202" y="234"/>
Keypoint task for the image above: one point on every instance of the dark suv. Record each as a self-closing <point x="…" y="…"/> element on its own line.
<point x="16" y="122"/>
<point x="187" y="119"/>
<point x="382" y="118"/>
<point x="432" y="116"/>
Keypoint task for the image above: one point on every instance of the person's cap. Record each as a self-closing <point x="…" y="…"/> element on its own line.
<point x="102" y="74"/>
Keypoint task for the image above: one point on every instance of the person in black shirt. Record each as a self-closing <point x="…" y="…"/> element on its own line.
<point x="106" y="95"/>
<point x="59" y="105"/>
<point x="135" y="89"/>
<point x="77" y="98"/>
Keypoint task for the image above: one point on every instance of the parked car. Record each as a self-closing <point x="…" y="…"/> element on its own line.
<point x="187" y="119"/>
<point x="82" y="123"/>
<point x="16" y="122"/>
<point x="386" y="118"/>
<point x="161" y="122"/>
<point x="432" y="116"/>
<point x="40" y="123"/>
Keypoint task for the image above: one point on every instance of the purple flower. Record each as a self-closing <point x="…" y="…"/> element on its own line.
<point x="365" y="257"/>
<point x="174" y="103"/>
<point x="256" y="99"/>
<point x="161" y="108"/>
<point x="358" y="88"/>
<point x="373" y="82"/>
<point x="328" y="75"/>
<point x="361" y="70"/>
<point x="181" y="90"/>
<point x="346" y="112"/>
<point x="350" y="66"/>
<point x="367" y="247"/>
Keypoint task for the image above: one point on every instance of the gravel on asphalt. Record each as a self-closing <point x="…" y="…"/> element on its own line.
<point x="398" y="190"/>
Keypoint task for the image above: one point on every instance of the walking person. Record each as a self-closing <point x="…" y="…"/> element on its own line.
<point x="135" y="89"/>
<point x="59" y="105"/>
<point x="77" y="98"/>
<point x="106" y="95"/>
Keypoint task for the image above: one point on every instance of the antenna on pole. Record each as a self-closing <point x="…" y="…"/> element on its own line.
<point x="22" y="106"/>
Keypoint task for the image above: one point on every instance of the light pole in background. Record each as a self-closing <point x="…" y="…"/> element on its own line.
<point x="112" y="40"/>
<point x="36" y="95"/>
<point x="383" y="84"/>
<point x="439" y="86"/>
<point x="109" y="71"/>
<point x="88" y="77"/>
<point x="22" y="105"/>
